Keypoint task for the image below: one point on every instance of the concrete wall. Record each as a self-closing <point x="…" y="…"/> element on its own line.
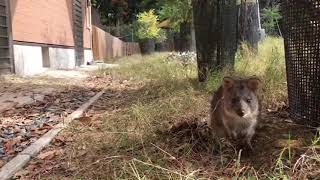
<point x="32" y="60"/>
<point x="28" y="60"/>
<point x="62" y="58"/>
<point x="88" y="56"/>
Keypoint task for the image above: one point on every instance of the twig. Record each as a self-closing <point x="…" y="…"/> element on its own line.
<point x="161" y="168"/>
<point x="118" y="132"/>
<point x="164" y="151"/>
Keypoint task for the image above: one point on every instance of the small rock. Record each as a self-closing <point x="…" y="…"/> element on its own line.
<point x="8" y="131"/>
<point x="2" y="151"/>
<point x="23" y="131"/>
<point x="39" y="97"/>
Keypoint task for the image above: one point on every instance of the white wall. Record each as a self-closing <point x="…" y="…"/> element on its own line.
<point x="62" y="58"/>
<point x="28" y="60"/>
<point x="88" y="56"/>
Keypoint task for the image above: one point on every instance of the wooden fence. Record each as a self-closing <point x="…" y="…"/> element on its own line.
<point x="105" y="46"/>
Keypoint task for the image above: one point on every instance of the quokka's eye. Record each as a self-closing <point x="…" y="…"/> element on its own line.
<point x="249" y="100"/>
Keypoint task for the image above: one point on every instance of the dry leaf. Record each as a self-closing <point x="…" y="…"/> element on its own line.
<point x="85" y="120"/>
<point x="47" y="126"/>
<point x="39" y="131"/>
<point x="60" y="140"/>
<point x="82" y="153"/>
<point x="32" y="167"/>
<point x="47" y="155"/>
<point x="22" y="173"/>
<point x="281" y="143"/>
<point x="2" y="163"/>
<point x="10" y="143"/>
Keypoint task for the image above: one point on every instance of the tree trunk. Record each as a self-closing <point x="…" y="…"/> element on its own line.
<point x="193" y="36"/>
<point x="147" y="46"/>
<point x="216" y="34"/>
<point x="183" y="38"/>
<point x="118" y="26"/>
<point x="228" y="37"/>
<point x="249" y="23"/>
<point x="206" y="32"/>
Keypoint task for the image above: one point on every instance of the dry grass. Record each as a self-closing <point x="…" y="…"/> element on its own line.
<point x="150" y="127"/>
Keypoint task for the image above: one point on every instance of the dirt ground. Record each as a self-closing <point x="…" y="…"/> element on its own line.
<point x="75" y="155"/>
<point x="31" y="106"/>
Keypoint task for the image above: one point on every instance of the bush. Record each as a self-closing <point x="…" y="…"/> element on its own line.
<point x="271" y="17"/>
<point x="147" y="27"/>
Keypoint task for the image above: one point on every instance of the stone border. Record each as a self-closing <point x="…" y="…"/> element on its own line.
<point x="17" y="163"/>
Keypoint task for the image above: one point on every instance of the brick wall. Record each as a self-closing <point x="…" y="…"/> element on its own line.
<point x="46" y="21"/>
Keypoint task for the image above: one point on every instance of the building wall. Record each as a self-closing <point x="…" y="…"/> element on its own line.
<point x="62" y="58"/>
<point x="28" y="60"/>
<point x="47" y="22"/>
<point x="43" y="35"/>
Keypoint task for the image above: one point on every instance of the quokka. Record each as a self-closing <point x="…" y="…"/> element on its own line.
<point x="235" y="109"/>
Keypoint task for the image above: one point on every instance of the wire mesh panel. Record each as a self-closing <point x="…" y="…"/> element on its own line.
<point x="302" y="49"/>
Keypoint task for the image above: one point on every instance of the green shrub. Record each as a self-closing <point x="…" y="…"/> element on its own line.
<point x="271" y="17"/>
<point x="147" y="27"/>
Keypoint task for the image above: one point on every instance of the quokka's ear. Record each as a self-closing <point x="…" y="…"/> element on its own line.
<point x="253" y="83"/>
<point x="228" y="82"/>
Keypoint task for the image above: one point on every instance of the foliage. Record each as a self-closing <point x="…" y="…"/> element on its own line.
<point x="177" y="11"/>
<point x="147" y="26"/>
<point x="125" y="11"/>
<point x="271" y="17"/>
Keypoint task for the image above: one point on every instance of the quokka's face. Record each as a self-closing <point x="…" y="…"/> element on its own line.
<point x="240" y="97"/>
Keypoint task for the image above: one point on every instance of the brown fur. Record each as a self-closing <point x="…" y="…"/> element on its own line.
<point x="235" y="109"/>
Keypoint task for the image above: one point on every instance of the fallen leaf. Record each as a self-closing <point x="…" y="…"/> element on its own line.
<point x="281" y="143"/>
<point x="21" y="173"/>
<point x="47" y="126"/>
<point x="82" y="153"/>
<point x="60" y="139"/>
<point x="9" y="146"/>
<point x="2" y="163"/>
<point x="47" y="155"/>
<point x="32" y="167"/>
<point x="85" y="120"/>
<point x="38" y="132"/>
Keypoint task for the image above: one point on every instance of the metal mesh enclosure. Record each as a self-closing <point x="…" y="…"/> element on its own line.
<point x="302" y="49"/>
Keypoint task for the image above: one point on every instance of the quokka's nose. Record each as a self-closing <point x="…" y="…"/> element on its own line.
<point x="240" y="112"/>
